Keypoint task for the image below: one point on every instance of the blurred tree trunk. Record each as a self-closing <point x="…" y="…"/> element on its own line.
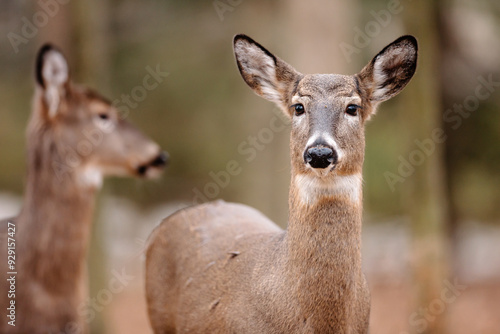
<point x="447" y="100"/>
<point x="450" y="49"/>
<point x="426" y="193"/>
<point x="91" y="21"/>
<point x="59" y="31"/>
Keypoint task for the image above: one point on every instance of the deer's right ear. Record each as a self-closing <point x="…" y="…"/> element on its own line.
<point x="52" y="75"/>
<point x="390" y="70"/>
<point x="268" y="76"/>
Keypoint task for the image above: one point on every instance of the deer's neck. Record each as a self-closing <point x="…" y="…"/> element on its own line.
<point x="324" y="247"/>
<point x="54" y="224"/>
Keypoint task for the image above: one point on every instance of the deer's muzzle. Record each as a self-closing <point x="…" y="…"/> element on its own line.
<point x="320" y="156"/>
<point x="159" y="163"/>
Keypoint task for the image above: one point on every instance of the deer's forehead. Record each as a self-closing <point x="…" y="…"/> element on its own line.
<point x="91" y="100"/>
<point x="316" y="86"/>
<point x="98" y="106"/>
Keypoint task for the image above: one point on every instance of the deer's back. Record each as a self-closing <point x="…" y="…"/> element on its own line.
<point x="200" y="263"/>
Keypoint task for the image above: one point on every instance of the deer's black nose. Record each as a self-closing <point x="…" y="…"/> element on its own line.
<point x="320" y="156"/>
<point x="161" y="160"/>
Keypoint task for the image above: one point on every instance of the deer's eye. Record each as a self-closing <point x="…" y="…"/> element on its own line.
<point x="103" y="116"/>
<point x="299" y="109"/>
<point x="352" y="109"/>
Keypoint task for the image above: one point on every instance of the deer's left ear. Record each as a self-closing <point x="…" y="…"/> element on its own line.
<point x="390" y="70"/>
<point x="52" y="75"/>
<point x="268" y="75"/>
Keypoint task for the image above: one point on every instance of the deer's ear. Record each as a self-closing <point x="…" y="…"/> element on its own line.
<point x="268" y="76"/>
<point x="52" y="75"/>
<point x="390" y="70"/>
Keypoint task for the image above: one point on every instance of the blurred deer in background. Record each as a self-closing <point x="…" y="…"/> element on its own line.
<point x="75" y="138"/>
<point x="225" y="268"/>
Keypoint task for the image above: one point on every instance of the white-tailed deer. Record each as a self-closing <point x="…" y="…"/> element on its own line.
<point x="74" y="138"/>
<point x="225" y="268"/>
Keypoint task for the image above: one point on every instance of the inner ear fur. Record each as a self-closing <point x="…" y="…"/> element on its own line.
<point x="52" y="75"/>
<point x="50" y="57"/>
<point x="267" y="75"/>
<point x="390" y="70"/>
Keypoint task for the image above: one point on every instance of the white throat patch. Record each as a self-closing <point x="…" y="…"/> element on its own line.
<point x="91" y="177"/>
<point x="312" y="188"/>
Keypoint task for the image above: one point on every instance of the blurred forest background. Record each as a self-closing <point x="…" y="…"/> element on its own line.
<point x="432" y="206"/>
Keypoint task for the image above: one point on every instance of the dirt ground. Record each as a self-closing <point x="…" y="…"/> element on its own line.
<point x="475" y="311"/>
